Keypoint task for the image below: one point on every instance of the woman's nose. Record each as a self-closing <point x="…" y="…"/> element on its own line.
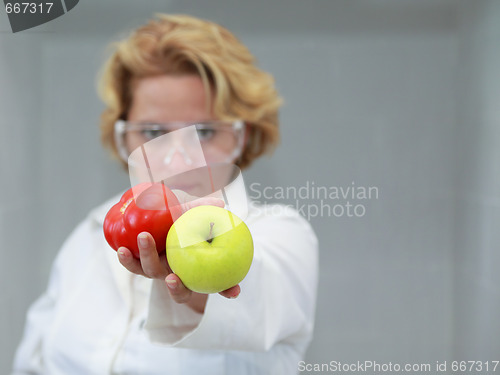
<point x="177" y="152"/>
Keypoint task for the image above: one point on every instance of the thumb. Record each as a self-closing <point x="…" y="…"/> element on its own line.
<point x="177" y="290"/>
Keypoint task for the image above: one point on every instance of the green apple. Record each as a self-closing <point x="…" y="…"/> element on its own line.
<point x="210" y="249"/>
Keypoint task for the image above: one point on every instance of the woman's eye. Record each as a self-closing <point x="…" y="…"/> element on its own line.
<point x="206" y="134"/>
<point x="151" y="133"/>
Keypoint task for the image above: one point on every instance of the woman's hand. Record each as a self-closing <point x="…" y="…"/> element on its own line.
<point x="155" y="266"/>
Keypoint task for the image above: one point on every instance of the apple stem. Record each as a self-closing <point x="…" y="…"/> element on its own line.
<point x="210" y="238"/>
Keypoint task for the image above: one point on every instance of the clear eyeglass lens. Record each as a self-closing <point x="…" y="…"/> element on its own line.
<point x="150" y="134"/>
<point x="219" y="141"/>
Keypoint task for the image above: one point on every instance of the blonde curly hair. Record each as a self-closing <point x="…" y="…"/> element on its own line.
<point x="181" y="44"/>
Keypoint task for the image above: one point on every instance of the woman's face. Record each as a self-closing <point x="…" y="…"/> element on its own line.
<point x="167" y="99"/>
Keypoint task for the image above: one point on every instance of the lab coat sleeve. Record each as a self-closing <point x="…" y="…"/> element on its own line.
<point x="276" y="303"/>
<point x="28" y="359"/>
<point x="29" y="354"/>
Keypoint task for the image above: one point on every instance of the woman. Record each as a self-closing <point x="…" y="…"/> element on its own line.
<point x="104" y="314"/>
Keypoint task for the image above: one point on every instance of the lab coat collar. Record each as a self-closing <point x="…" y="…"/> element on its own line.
<point x="98" y="214"/>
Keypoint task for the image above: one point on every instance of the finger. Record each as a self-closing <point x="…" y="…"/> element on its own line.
<point x="178" y="291"/>
<point x="164" y="263"/>
<point x="129" y="262"/>
<point x="149" y="258"/>
<point x="232" y="292"/>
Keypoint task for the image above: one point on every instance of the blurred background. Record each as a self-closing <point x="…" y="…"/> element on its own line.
<point x="401" y="95"/>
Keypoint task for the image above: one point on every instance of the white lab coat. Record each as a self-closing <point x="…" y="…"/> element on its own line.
<point x="98" y="318"/>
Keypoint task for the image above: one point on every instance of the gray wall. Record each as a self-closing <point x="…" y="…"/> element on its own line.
<point x="477" y="235"/>
<point x="397" y="95"/>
